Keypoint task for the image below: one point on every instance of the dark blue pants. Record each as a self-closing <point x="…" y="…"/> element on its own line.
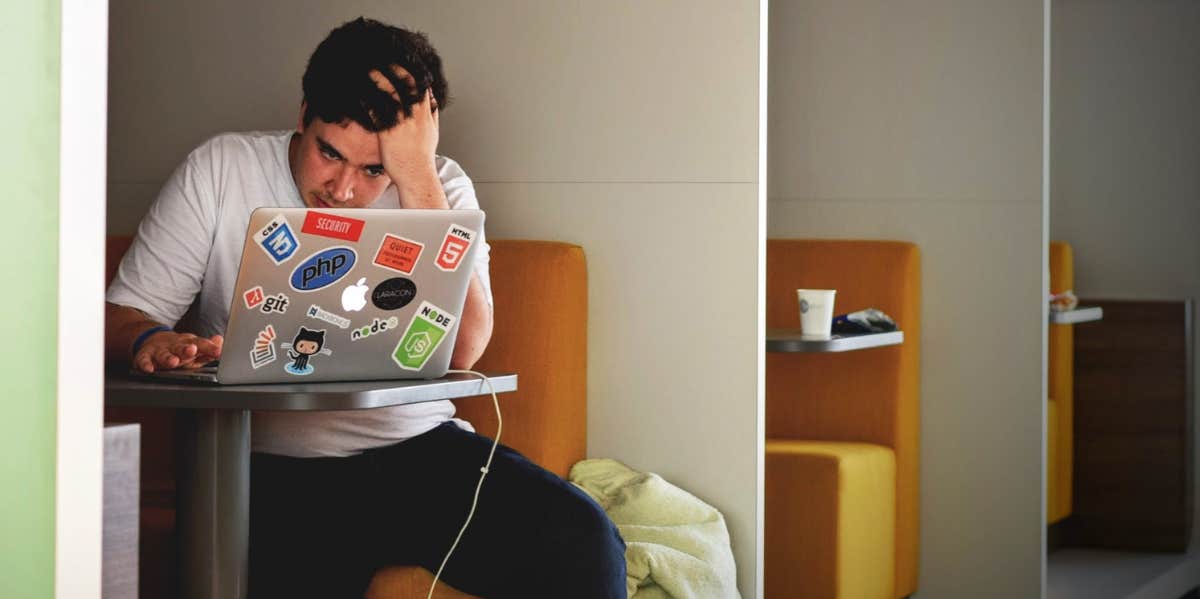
<point x="321" y="527"/>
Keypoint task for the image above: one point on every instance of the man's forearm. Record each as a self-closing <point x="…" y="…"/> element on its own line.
<point x="421" y="188"/>
<point x="122" y="325"/>
<point x="474" y="327"/>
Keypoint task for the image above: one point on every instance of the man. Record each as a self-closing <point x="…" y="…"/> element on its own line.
<point x="337" y="495"/>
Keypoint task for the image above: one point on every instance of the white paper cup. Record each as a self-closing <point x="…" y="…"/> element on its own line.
<point x="816" y="313"/>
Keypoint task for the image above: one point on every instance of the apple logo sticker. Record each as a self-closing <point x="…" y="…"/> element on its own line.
<point x="354" y="297"/>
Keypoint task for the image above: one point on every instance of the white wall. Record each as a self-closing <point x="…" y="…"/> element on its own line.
<point x="922" y="121"/>
<point x="1125" y="190"/>
<point x="628" y="127"/>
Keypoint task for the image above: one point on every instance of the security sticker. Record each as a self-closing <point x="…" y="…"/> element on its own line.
<point x="398" y="254"/>
<point x="454" y="247"/>
<point x="315" y="311"/>
<point x="277" y="240"/>
<point x="253" y="297"/>
<point x="425" y="332"/>
<point x="263" y="352"/>
<point x="306" y="344"/>
<point x="377" y="326"/>
<point x="329" y="225"/>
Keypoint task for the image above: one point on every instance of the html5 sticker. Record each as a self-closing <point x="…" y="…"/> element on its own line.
<point x="454" y="248"/>
<point x="329" y="225"/>
<point x="253" y="297"/>
<point x="277" y="240"/>
<point x="398" y="254"/>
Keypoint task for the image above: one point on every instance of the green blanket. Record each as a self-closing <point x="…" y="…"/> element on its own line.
<point x="676" y="546"/>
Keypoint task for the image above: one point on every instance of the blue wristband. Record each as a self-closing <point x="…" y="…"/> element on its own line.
<point x="137" y="343"/>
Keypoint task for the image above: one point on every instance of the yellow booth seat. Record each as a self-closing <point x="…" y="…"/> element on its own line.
<point x="1060" y="409"/>
<point x="843" y="441"/>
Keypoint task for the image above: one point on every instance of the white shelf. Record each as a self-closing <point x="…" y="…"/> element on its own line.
<point x="1077" y="315"/>
<point x="790" y="341"/>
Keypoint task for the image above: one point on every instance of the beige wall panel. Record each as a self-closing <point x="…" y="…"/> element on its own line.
<point x="937" y="99"/>
<point x="671" y="332"/>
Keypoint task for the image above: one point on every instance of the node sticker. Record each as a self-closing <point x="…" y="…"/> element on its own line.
<point x="315" y="311"/>
<point x="328" y="225"/>
<point x="377" y="326"/>
<point x="454" y="247"/>
<point x="277" y="240"/>
<point x="253" y="297"/>
<point x="398" y="254"/>
<point x="263" y="352"/>
<point x="425" y="332"/>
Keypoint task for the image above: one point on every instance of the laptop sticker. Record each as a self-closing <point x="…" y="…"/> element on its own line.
<point x="275" y="303"/>
<point x="454" y="247"/>
<point x="263" y="352"/>
<point x="398" y="254"/>
<point x="378" y="326"/>
<point x="329" y="225"/>
<point x="341" y="322"/>
<point x="323" y="268"/>
<point x="306" y="344"/>
<point x="424" y="333"/>
<point x="394" y="293"/>
<point x="354" y="297"/>
<point x="277" y="240"/>
<point x="253" y="297"/>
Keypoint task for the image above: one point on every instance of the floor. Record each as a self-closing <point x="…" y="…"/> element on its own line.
<point x="1094" y="574"/>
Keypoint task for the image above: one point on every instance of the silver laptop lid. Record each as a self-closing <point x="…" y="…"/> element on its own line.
<point x="349" y="294"/>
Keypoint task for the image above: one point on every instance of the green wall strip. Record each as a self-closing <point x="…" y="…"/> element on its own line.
<point x="29" y="161"/>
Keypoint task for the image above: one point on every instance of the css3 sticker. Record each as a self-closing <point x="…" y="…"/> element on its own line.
<point x="425" y="332"/>
<point x="277" y="240"/>
<point x="323" y="268"/>
<point x="454" y="247"/>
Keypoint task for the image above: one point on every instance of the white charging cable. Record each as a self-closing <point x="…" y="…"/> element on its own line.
<point x="482" y="475"/>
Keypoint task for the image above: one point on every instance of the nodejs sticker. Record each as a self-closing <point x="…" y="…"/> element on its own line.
<point x="424" y="333"/>
<point x="263" y="352"/>
<point x="454" y="248"/>
<point x="323" y="268"/>
<point x="398" y="254"/>
<point x="378" y="326"/>
<point x="341" y="322"/>
<point x="306" y="344"/>
<point x="277" y="240"/>
<point x="329" y="225"/>
<point x="394" y="293"/>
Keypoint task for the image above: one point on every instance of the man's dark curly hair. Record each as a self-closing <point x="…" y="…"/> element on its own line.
<point x="337" y="83"/>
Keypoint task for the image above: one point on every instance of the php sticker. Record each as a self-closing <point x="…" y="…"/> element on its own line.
<point x="377" y="326"/>
<point x="253" y="297"/>
<point x="398" y="254"/>
<point x="329" y="225"/>
<point x="323" y="268"/>
<point x="454" y="247"/>
<point x="277" y="240"/>
<point x="394" y="293"/>
<point x="425" y="332"/>
<point x="315" y="311"/>
<point x="306" y="344"/>
<point x="263" y="352"/>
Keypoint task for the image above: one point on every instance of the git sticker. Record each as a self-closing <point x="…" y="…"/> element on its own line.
<point x="263" y="352"/>
<point x="454" y="247"/>
<point x="253" y="297"/>
<point x="424" y="333"/>
<point x="398" y="254"/>
<point x="277" y="240"/>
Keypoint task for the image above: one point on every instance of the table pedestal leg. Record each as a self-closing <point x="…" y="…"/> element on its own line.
<point x="214" y="503"/>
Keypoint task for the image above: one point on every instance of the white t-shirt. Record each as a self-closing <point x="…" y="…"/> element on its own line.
<point x="183" y="264"/>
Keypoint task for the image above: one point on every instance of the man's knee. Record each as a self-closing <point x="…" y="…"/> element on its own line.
<point x="590" y="549"/>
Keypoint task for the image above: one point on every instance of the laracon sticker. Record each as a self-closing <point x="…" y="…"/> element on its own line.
<point x="329" y="225"/>
<point x="394" y="293"/>
<point x="275" y="303"/>
<point x="277" y="240"/>
<point x="263" y="352"/>
<point x="253" y="297"/>
<point x="454" y="248"/>
<point x="341" y="322"/>
<point x="398" y="254"/>
<point x="378" y="326"/>
<point x="425" y="332"/>
<point x="323" y="268"/>
<point x="306" y="344"/>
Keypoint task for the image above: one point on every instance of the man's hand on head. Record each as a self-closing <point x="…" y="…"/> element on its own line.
<point x="168" y="350"/>
<point x="409" y="148"/>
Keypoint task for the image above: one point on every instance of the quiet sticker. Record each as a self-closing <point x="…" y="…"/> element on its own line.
<point x="398" y="254"/>
<point x="263" y="352"/>
<point x="425" y="332"/>
<point x="454" y="247"/>
<point x="277" y="240"/>
<point x="329" y="225"/>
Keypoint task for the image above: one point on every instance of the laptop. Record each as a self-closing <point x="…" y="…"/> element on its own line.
<point x="345" y="294"/>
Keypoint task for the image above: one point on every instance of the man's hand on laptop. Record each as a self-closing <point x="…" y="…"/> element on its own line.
<point x="168" y="350"/>
<point x="409" y="148"/>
